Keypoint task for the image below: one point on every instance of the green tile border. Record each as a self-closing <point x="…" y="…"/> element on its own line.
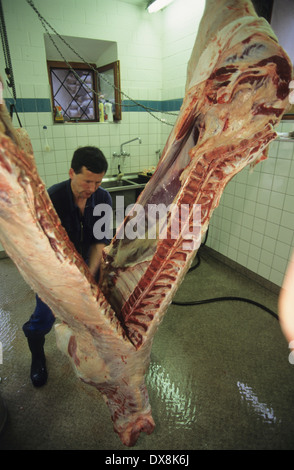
<point x="156" y="106"/>
<point x="43" y="105"/>
<point x="30" y="105"/>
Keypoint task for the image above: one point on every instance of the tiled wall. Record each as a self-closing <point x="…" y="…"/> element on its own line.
<point x="139" y="50"/>
<point x="53" y="165"/>
<point x="149" y="48"/>
<point x="253" y="224"/>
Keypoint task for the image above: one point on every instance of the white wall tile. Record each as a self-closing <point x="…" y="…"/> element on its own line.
<point x="259" y="224"/>
<point x="254" y="222"/>
<point x="276" y="200"/>
<point x="263" y="270"/>
<point x="285" y="150"/>
<point x="279" y="183"/>
<point x="271" y="193"/>
<point x="285" y="235"/>
<point x="289" y="203"/>
<point x="283" y="167"/>
<point x="252" y="264"/>
<point x="266" y="257"/>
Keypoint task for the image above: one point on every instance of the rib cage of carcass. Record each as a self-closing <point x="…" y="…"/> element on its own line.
<point x="236" y="91"/>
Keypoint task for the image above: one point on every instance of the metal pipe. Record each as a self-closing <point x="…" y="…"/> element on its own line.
<point x="285" y="136"/>
<point x="284" y="139"/>
<point x="132" y="140"/>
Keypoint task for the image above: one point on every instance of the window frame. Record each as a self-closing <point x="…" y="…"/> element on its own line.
<point x="117" y="94"/>
<point x="115" y="66"/>
<point x="52" y="64"/>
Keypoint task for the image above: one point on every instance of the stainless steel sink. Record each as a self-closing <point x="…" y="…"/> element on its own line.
<point x="113" y="185"/>
<point x="127" y="183"/>
<point x="135" y="180"/>
<point x="128" y="188"/>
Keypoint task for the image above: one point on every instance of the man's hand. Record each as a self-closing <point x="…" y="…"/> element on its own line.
<point x="95" y="257"/>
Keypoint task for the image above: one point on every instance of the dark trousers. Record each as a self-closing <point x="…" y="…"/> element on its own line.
<point x="41" y="320"/>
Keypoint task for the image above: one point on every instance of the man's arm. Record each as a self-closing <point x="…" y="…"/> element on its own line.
<point x="95" y="254"/>
<point x="95" y="257"/>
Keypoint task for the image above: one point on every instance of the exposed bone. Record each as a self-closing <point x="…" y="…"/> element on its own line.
<point x="236" y="91"/>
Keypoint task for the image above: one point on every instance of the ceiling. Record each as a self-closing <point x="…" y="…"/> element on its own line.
<point x="90" y="49"/>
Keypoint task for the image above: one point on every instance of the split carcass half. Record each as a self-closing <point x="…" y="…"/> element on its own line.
<point x="236" y="91"/>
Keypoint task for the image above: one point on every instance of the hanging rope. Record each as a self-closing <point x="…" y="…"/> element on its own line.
<point x="46" y="25"/>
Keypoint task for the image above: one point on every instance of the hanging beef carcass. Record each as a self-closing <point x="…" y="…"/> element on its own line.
<point x="236" y="91"/>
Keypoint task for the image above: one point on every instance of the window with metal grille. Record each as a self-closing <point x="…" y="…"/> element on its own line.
<point x="78" y="92"/>
<point x="74" y="92"/>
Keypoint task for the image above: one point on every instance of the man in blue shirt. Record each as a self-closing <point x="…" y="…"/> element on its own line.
<point x="74" y="201"/>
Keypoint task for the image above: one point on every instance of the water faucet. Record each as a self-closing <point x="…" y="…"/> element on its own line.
<point x="122" y="152"/>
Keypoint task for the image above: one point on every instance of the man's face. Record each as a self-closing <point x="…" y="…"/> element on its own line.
<point x="84" y="184"/>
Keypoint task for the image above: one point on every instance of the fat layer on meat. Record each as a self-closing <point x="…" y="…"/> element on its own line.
<point x="236" y="92"/>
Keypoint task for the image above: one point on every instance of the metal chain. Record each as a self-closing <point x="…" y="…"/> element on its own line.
<point x="8" y="69"/>
<point x="47" y="25"/>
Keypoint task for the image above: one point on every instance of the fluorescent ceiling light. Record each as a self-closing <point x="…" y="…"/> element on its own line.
<point x="157" y="5"/>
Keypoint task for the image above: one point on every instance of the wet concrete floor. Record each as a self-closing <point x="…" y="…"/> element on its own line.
<point x="219" y="376"/>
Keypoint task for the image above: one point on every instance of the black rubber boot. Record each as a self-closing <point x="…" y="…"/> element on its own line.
<point x="38" y="368"/>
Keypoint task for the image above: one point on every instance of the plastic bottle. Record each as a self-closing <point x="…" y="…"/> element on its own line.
<point x="101" y="112"/>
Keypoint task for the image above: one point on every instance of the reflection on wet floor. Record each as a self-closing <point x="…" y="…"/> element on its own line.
<point x="177" y="398"/>
<point x="8" y="330"/>
<point x="219" y="375"/>
<point x="262" y="409"/>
